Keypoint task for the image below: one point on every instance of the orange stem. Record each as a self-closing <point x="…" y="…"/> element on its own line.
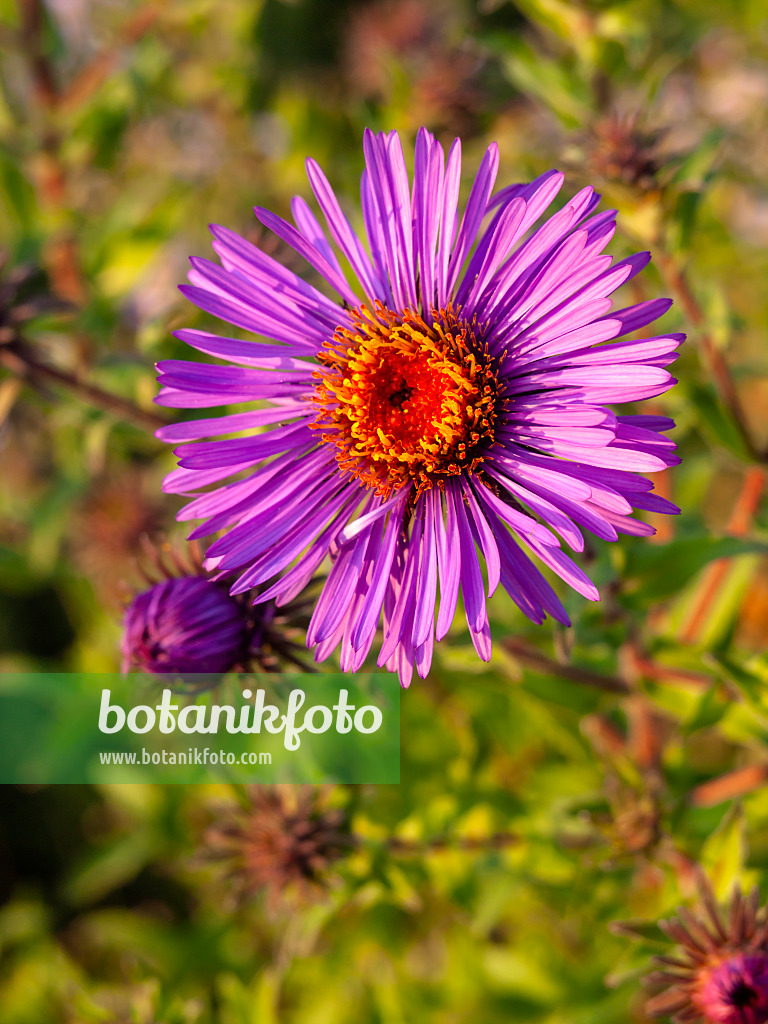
<point x="721" y="375"/>
<point x="726" y="787"/>
<point x="716" y="573"/>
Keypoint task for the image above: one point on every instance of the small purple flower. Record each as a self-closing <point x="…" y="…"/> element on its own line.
<point x="450" y="403"/>
<point x="186" y="624"/>
<point x="719" y="971"/>
<point x="735" y="991"/>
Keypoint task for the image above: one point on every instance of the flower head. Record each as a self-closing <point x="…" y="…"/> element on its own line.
<point x="720" y="974"/>
<point x="184" y="625"/>
<point x="622" y="151"/>
<point x="189" y="623"/>
<point x="735" y="991"/>
<point x="286" y="838"/>
<point x="451" y="402"/>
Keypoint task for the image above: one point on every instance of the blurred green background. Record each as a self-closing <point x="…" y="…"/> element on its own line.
<point x="578" y="778"/>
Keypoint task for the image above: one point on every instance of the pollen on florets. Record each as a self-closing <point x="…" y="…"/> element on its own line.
<point x="405" y="401"/>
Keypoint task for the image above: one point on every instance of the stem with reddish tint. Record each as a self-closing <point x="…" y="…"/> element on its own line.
<point x="674" y="275"/>
<point x="715" y="574"/>
<point x="497" y="841"/>
<point x="26" y="367"/>
<point x="538" y="661"/>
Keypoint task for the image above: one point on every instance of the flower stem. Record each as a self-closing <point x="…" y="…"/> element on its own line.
<point x="538" y="661"/>
<point x="23" y="365"/>
<point x="677" y="282"/>
<point x="716" y="572"/>
<point x="496" y="841"/>
<point x="730" y="786"/>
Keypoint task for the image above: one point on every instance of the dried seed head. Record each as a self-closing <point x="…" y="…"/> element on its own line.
<point x="283" y="843"/>
<point x="622" y="152"/>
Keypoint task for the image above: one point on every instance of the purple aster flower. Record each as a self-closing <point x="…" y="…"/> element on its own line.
<point x="719" y="973"/>
<point x="448" y="404"/>
<point x="735" y="991"/>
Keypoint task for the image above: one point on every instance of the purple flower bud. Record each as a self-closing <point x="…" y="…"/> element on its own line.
<point x="184" y="625"/>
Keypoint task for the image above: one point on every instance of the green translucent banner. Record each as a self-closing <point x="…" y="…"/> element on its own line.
<point x="255" y="728"/>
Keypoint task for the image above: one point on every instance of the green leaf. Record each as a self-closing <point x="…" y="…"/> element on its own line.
<point x="716" y="422"/>
<point x="709" y="709"/>
<point x="561" y="88"/>
<point x="724" y="853"/>
<point x="697" y="169"/>
<point x="661" y="571"/>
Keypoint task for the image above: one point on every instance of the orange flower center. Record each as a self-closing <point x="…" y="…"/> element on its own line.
<point x="406" y="401"/>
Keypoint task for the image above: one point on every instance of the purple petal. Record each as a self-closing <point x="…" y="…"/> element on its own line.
<point x="428" y="179"/>
<point x="296" y="240"/>
<point x="345" y="237"/>
<point x="448" y="221"/>
<point x="449" y="567"/>
<point x="194" y="430"/>
<point x="253" y="265"/>
<point x="400" y="622"/>
<point x="474" y="213"/>
<point x="426" y="587"/>
<point x="371" y="608"/>
<point x="471" y="582"/>
<point x="389" y="189"/>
